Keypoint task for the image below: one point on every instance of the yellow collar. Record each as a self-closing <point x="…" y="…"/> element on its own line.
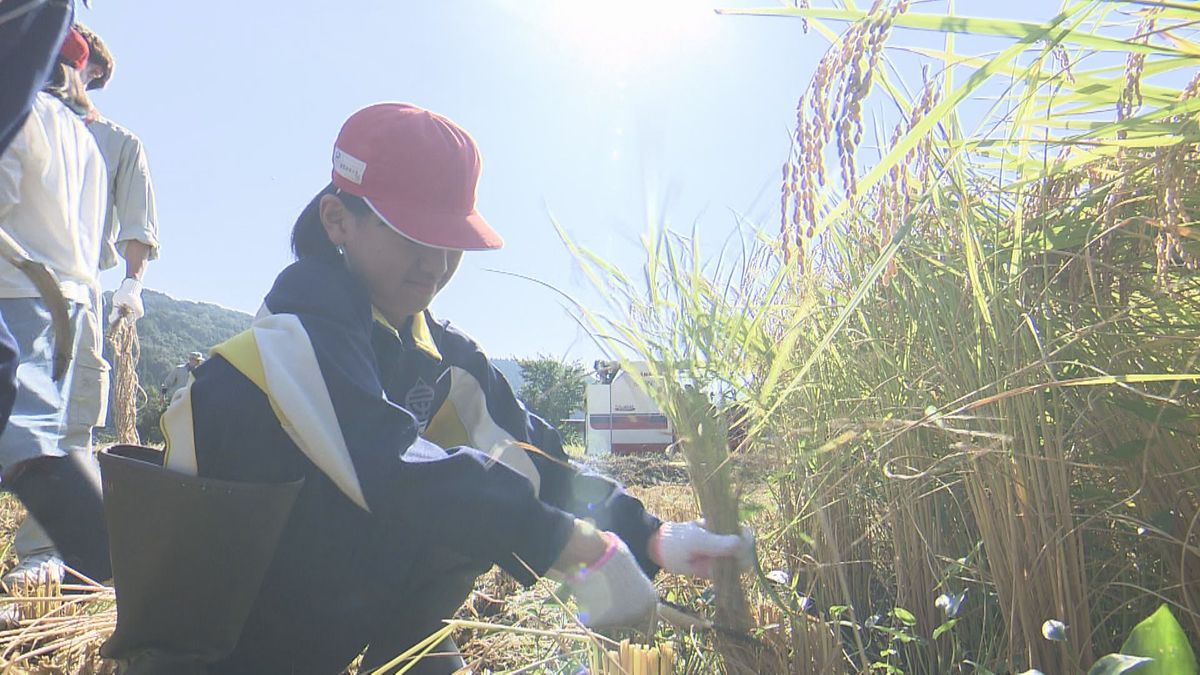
<point x="421" y="335"/>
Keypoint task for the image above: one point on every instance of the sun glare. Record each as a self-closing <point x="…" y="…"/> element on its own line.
<point x="617" y="35"/>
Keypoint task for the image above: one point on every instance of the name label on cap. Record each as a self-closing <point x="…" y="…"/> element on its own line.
<point x="348" y="166"/>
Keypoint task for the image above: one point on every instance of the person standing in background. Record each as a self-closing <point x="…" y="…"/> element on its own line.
<point x="178" y="377"/>
<point x="52" y="181"/>
<point x="130" y="230"/>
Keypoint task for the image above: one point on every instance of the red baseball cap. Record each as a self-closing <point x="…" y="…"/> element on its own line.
<point x="418" y="171"/>
<point x="74" y="49"/>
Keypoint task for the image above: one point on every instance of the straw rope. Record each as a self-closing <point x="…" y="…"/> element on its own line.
<point x="127" y="395"/>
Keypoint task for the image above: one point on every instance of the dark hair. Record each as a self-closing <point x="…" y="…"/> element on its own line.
<point x="98" y="54"/>
<point x="65" y="85"/>
<point x="309" y="239"/>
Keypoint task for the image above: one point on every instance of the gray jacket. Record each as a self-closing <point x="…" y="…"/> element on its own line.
<point x="176" y="380"/>
<point x="131" y="213"/>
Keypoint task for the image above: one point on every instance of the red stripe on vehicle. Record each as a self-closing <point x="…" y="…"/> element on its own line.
<point x="638" y="448"/>
<point x="617" y="422"/>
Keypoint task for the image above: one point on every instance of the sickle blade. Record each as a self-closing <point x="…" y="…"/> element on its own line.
<point x="47" y="285"/>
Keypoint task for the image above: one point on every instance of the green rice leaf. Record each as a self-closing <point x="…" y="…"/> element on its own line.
<point x="1161" y="638"/>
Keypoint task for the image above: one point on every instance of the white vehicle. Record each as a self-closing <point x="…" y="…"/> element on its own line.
<point x="619" y="416"/>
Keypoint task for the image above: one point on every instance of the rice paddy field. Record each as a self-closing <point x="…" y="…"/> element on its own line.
<point x="960" y="371"/>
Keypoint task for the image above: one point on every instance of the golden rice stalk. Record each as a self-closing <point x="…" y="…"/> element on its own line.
<point x="631" y="659"/>
<point x="832" y="108"/>
<point x="37" y="597"/>
<point x="56" y="632"/>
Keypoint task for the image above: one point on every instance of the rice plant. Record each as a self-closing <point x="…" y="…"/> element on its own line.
<point x="970" y="354"/>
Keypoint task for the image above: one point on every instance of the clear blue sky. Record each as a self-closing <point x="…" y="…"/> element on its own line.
<point x="587" y="110"/>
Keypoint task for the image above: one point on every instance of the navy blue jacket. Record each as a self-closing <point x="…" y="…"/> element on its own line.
<point x="29" y="44"/>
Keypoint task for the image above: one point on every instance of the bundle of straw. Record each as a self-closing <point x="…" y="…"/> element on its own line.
<point x="631" y="659"/>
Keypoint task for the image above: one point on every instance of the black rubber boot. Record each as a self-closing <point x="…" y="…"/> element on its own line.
<point x="188" y="556"/>
<point x="63" y="494"/>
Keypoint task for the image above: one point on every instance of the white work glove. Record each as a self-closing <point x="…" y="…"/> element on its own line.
<point x="128" y="299"/>
<point x="613" y="591"/>
<point x="689" y="548"/>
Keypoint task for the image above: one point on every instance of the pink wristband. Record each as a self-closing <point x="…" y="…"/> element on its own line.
<point x="654" y="547"/>
<point x="611" y="543"/>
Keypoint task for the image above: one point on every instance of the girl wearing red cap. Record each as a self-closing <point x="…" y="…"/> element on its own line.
<point x="338" y="476"/>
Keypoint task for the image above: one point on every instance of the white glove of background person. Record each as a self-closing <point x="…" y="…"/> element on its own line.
<point x="689" y="548"/>
<point x="129" y="298"/>
<point x="613" y="591"/>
